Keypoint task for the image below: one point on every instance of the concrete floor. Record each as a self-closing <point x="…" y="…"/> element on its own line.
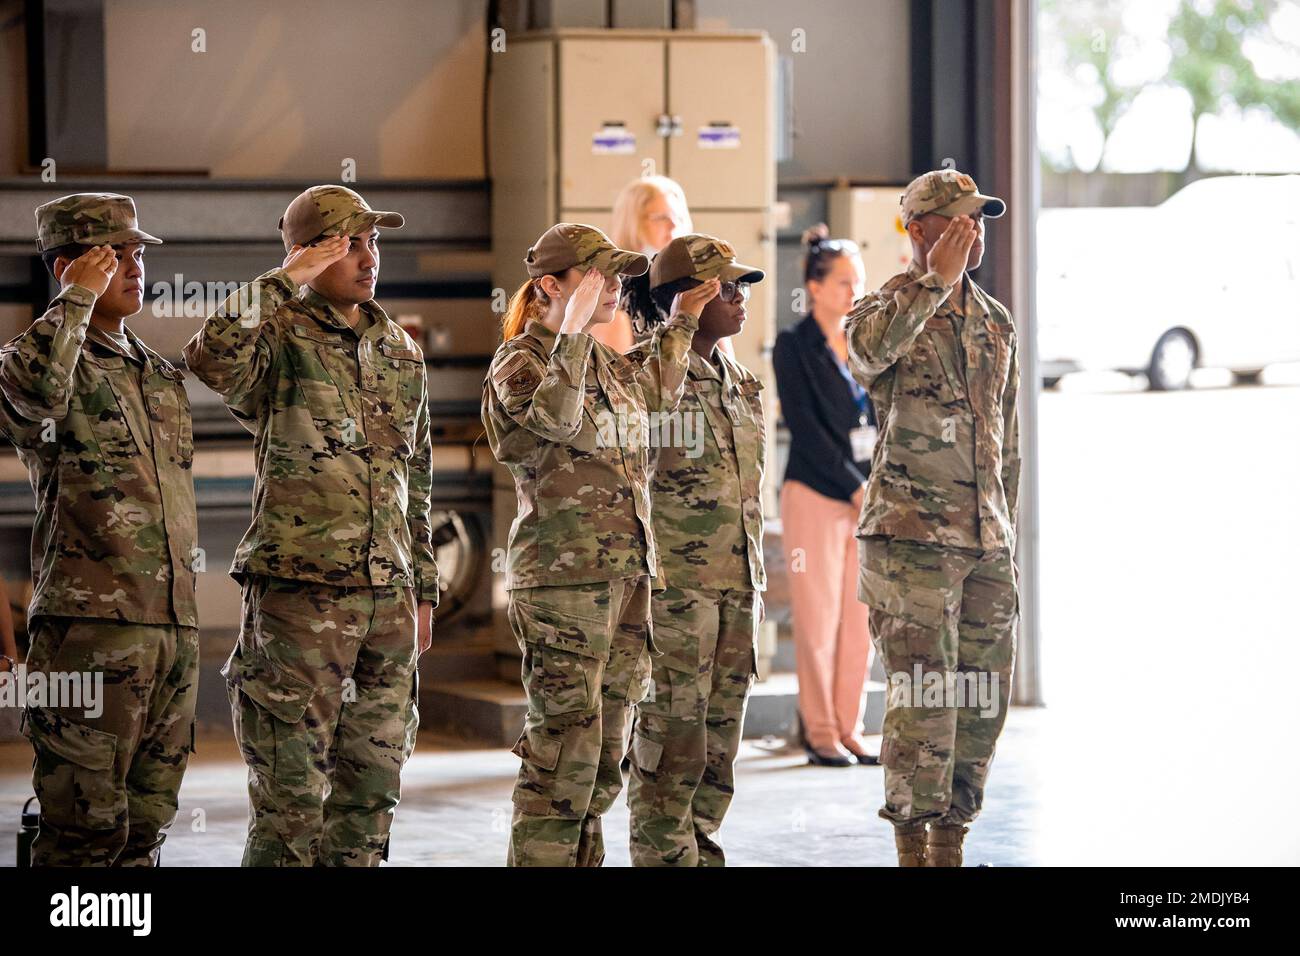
<point x="1168" y="531"/>
<point x="455" y="808"/>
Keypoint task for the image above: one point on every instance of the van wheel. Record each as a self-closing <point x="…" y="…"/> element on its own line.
<point x="1172" y="362"/>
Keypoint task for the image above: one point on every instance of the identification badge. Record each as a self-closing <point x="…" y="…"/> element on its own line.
<point x="863" y="441"/>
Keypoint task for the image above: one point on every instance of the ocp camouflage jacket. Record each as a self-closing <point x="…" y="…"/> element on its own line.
<point x="707" y="464"/>
<point x="568" y="416"/>
<point x="946" y="466"/>
<point x="343" y="458"/>
<point x="109" y="449"/>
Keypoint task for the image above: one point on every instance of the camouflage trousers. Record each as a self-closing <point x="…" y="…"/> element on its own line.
<point x="586" y="663"/>
<point x="944" y="623"/>
<point x="688" y="731"/>
<point x="108" y="783"/>
<point x="323" y="693"/>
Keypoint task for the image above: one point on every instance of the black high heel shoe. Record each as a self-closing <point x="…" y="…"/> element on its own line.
<point x="866" y="759"/>
<point x="817" y="759"/>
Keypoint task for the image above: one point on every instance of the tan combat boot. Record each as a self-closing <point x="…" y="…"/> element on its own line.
<point x="910" y="840"/>
<point x="944" y="848"/>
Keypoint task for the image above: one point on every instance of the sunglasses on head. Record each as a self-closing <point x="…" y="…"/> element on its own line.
<point x="845" y="247"/>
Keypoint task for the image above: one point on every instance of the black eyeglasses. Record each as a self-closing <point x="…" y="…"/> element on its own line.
<point x="734" y="292"/>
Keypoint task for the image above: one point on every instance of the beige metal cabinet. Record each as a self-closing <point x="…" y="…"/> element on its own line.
<point x="870" y="216"/>
<point x="577" y="114"/>
<point x="720" y="104"/>
<point x="610" y="100"/>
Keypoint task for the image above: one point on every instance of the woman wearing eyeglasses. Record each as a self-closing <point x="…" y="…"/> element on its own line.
<point x="832" y="432"/>
<point x="564" y="414"/>
<point x="707" y="464"/>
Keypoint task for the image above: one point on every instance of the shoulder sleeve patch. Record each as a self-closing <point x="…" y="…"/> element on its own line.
<point x="517" y="374"/>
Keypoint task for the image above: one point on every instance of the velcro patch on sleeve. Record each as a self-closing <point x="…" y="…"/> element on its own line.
<point x="517" y="375"/>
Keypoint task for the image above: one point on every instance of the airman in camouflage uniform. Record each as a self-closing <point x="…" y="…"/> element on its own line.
<point x="565" y="415"/>
<point x="102" y="423"/>
<point x="339" y="553"/>
<point x="938" y="355"/>
<point x="707" y="464"/>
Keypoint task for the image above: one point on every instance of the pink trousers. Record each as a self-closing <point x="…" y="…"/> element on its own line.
<point x="831" y="635"/>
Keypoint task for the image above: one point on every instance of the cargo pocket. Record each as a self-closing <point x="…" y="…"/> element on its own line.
<point x="540" y="754"/>
<point x="412" y="733"/>
<point x="899" y="598"/>
<point x="535" y="747"/>
<point x="898" y="754"/>
<point x="566" y="681"/>
<point x="646" y="753"/>
<point x="912" y="628"/>
<point x="1002" y="336"/>
<point x="271" y="703"/>
<point x="568" y="657"/>
<point x="403" y="389"/>
<point x="75" y="766"/>
<point x="681" y="685"/>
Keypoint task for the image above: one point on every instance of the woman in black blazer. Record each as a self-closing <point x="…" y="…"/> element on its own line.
<point x="832" y="432"/>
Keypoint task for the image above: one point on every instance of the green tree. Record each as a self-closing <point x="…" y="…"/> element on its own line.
<point x="1207" y="43"/>
<point x="1206" y="39"/>
<point x="1090" y="33"/>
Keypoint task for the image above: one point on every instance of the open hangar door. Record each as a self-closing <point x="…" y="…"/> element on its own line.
<point x="973" y="108"/>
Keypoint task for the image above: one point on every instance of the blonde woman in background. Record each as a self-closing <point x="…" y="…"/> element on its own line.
<point x="649" y="213"/>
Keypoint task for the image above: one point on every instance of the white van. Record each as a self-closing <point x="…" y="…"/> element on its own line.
<point x="1209" y="278"/>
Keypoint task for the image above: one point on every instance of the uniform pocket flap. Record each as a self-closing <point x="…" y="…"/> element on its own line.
<point x="565" y="631"/>
<point x="573" y="641"/>
<point x="646" y="753"/>
<point x="318" y="335"/>
<point x="678" y="649"/>
<point x="898" y="754"/>
<point x="942" y="325"/>
<point x="625" y="371"/>
<point x="919" y="605"/>
<point x="82" y="745"/>
<point x="267" y="684"/>
<point x="538" y="749"/>
<point x="104" y="361"/>
<point x="398" y="351"/>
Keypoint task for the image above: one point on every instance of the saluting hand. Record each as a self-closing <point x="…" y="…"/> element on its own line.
<point x="93" y="270"/>
<point x="694" y="299"/>
<point x="581" y="305"/>
<point x="304" y="263"/>
<point x="948" y="256"/>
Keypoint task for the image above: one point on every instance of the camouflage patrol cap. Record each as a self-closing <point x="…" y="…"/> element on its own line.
<point x="88" y="219"/>
<point x="571" y="245"/>
<point x="949" y="193"/>
<point x="331" y="211"/>
<point x="700" y="257"/>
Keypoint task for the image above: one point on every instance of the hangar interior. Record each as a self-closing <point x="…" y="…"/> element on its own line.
<point x="477" y="121"/>
<point x="480" y="147"/>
